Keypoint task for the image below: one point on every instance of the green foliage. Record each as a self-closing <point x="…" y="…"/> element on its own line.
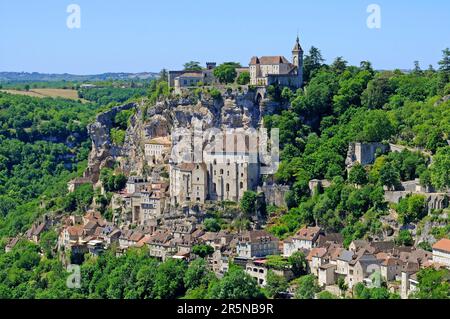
<point x="307" y="287"/>
<point x="43" y="143"/>
<point x="412" y="209"/>
<point x="243" y="78"/>
<point x="236" y="284"/>
<point x="433" y="284"/>
<point x="440" y="169"/>
<point x="81" y="199"/>
<point x="373" y="126"/>
<point x="358" y="175"/>
<point x="122" y="119"/>
<point x="112" y="182"/>
<point x="389" y="176"/>
<point x="277" y="262"/>
<point x="276" y="284"/>
<point x="312" y="62"/>
<point x="111" y="95"/>
<point x="157" y="90"/>
<point x="325" y="295"/>
<point x="299" y="264"/>
<point x="248" y="203"/>
<point x="377" y="93"/>
<point x="192" y="66"/>
<point x="425" y="246"/>
<point x="362" y="292"/>
<point x="30" y="119"/>
<point x="117" y="136"/>
<point x="226" y="72"/>
<point x="202" y="250"/>
<point x="215" y="94"/>
<point x="275" y="93"/>
<point x="404" y="238"/>
<point x="211" y="225"/>
<point x="197" y="275"/>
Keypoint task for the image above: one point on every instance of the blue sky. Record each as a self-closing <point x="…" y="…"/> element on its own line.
<point x="147" y="35"/>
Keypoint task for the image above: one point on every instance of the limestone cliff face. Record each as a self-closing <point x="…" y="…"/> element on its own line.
<point x="103" y="151"/>
<point x="233" y="110"/>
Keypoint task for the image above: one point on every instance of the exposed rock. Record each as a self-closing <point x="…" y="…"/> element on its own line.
<point x="443" y="100"/>
<point x="233" y="110"/>
<point x="103" y="152"/>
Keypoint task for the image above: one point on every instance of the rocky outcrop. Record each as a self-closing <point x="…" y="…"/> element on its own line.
<point x="232" y="110"/>
<point x="103" y="152"/>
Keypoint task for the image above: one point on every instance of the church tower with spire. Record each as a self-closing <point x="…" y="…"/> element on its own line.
<point x="297" y="60"/>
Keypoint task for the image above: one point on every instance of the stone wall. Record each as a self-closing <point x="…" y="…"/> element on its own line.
<point x="364" y="153"/>
<point x="275" y="194"/>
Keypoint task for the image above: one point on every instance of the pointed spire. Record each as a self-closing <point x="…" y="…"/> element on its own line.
<point x="297" y="47"/>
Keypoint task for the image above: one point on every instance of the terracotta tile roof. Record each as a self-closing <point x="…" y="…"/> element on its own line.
<point x="136" y="236"/>
<point x="209" y="236"/>
<point x="75" y="230"/>
<point x="308" y="233"/>
<point x="316" y="252"/>
<point x="256" y="236"/>
<point x="269" y="60"/>
<point x="391" y="262"/>
<point x="443" y="245"/>
<point x="191" y="75"/>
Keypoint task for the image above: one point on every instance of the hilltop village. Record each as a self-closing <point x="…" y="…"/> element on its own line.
<point x="164" y="204"/>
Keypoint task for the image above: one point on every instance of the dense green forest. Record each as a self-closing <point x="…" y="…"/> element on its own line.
<point x="106" y="95"/>
<point x="43" y="143"/>
<point x="342" y="104"/>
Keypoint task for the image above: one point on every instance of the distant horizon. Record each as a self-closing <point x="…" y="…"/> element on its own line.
<point x="152" y="35"/>
<point x="139" y="72"/>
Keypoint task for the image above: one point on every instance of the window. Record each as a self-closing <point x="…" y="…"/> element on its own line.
<point x="228" y="173"/>
<point x="241" y="185"/>
<point x="228" y="187"/>
<point x="221" y="172"/>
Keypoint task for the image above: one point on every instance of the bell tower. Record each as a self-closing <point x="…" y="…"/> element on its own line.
<point x="297" y="60"/>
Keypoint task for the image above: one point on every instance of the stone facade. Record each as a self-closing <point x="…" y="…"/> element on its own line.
<point x="277" y="70"/>
<point x="364" y="153"/>
<point x="157" y="149"/>
<point x="188" y="183"/>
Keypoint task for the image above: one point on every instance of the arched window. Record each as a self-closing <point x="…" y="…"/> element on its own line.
<point x="214" y="188"/>
<point x="228" y="187"/>
<point x="221" y="172"/>
<point x="241" y="185"/>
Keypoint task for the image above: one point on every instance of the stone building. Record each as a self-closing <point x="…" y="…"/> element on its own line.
<point x="364" y="153"/>
<point x="157" y="149"/>
<point x="231" y="174"/>
<point x="229" y="167"/>
<point x="271" y="70"/>
<point x="186" y="79"/>
<point x="256" y="244"/>
<point x="136" y="184"/>
<point x="441" y="252"/>
<point x="188" y="183"/>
